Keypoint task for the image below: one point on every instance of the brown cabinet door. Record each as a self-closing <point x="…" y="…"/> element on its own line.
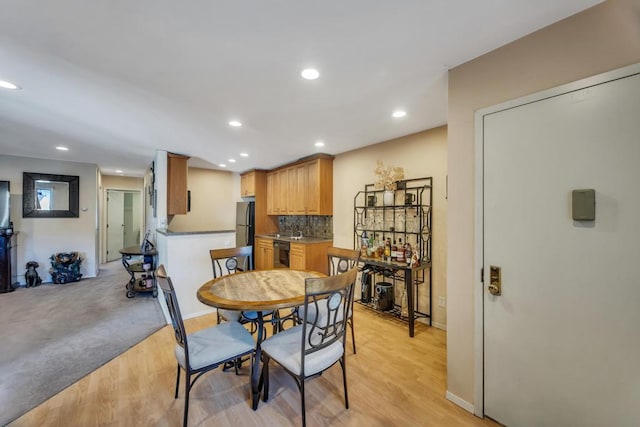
<point x="264" y="254"/>
<point x="248" y="184"/>
<point x="177" y="170"/>
<point x="297" y="260"/>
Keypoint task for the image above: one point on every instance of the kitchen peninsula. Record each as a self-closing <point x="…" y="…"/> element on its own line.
<point x="185" y="255"/>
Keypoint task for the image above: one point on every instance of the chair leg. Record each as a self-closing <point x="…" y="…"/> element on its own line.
<point x="353" y="336"/>
<point x="303" y="406"/>
<point x="177" y="382"/>
<point x="343" y="363"/>
<point x="264" y="377"/>
<point x="187" y="389"/>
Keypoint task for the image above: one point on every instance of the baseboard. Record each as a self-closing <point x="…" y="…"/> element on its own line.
<point x="460" y="402"/>
<point x="428" y="322"/>
<point x="200" y="313"/>
<point x="439" y="325"/>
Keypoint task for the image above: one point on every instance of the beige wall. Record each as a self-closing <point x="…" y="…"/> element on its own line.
<point x="600" y="39"/>
<point x="121" y="182"/>
<point x="213" y="201"/>
<point x="39" y="238"/>
<point x="421" y="155"/>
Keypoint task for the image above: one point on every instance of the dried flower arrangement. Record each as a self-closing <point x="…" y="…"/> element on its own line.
<point x="388" y="177"/>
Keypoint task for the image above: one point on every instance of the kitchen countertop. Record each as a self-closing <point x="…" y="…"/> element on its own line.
<point x="182" y="233"/>
<point x="305" y="239"/>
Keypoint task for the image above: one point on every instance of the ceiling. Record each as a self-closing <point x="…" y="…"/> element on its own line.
<point x="114" y="81"/>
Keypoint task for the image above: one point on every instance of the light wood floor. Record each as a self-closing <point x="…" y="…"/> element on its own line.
<point x="393" y="380"/>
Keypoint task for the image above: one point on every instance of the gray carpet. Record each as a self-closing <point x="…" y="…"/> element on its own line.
<point x="53" y="335"/>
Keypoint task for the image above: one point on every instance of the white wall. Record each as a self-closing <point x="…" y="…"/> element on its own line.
<point x="188" y="263"/>
<point x="421" y="155"/>
<point x="39" y="238"/>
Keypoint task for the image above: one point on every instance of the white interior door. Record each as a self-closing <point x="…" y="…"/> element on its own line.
<point x="562" y="342"/>
<point x="115" y="224"/>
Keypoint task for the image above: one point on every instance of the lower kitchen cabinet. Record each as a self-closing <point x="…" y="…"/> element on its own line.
<point x="309" y="256"/>
<point x="264" y="254"/>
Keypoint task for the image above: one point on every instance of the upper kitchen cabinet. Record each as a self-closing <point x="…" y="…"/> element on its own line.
<point x="277" y="192"/>
<point x="319" y="188"/>
<point x="303" y="188"/>
<point x="177" y="169"/>
<point x="248" y="184"/>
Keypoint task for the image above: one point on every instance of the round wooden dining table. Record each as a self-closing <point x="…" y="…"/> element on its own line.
<point x="259" y="290"/>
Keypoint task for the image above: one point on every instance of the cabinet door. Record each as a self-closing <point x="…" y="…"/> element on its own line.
<point x="177" y="170"/>
<point x="271" y="197"/>
<point x="281" y="187"/>
<point x="297" y="190"/>
<point x="248" y="184"/>
<point x="312" y="178"/>
<point x="264" y="254"/>
<point x="297" y="259"/>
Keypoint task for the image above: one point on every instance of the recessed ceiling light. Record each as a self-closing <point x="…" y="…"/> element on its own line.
<point x="235" y="123"/>
<point x="222" y="165"/>
<point x="8" y="85"/>
<point x="231" y="160"/>
<point x="61" y="148"/>
<point x="310" y="73"/>
<point x="319" y="144"/>
<point x="399" y="113"/>
<point x="244" y="155"/>
<point x="118" y="171"/>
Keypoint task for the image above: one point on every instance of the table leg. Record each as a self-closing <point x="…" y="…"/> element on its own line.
<point x="256" y="380"/>
<point x="408" y="282"/>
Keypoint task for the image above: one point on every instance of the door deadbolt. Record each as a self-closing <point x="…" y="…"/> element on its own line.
<point x="495" y="280"/>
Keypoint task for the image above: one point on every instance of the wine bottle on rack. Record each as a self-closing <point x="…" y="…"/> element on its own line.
<point x="394" y="251"/>
<point x="400" y="251"/>
<point x="407" y="253"/>
<point x="387" y="250"/>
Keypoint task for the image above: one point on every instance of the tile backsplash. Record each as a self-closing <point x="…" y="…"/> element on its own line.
<point x="310" y="225"/>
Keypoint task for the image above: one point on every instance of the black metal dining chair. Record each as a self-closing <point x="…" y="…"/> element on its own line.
<point x="232" y="261"/>
<point x="204" y="350"/>
<point x="340" y="260"/>
<point x="308" y="349"/>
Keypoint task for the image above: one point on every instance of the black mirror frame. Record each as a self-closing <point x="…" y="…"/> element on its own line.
<point x="29" y="190"/>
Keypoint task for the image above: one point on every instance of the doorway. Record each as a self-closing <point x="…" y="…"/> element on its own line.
<point x="558" y="346"/>
<point x="124" y="221"/>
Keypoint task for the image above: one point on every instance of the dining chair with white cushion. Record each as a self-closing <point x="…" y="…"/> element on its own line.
<point x="206" y="349"/>
<point x="315" y="345"/>
<point x="340" y="260"/>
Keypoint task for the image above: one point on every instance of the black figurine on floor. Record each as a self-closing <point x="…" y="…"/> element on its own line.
<point x="31" y="276"/>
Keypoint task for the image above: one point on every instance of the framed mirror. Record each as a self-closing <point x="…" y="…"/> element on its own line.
<point x="50" y="196"/>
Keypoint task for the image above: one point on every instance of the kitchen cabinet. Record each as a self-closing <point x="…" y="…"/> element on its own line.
<point x="309" y="256"/>
<point x="296" y="190"/>
<point x="304" y="188"/>
<point x="277" y="197"/>
<point x="263" y="254"/>
<point x="177" y="194"/>
<point x="248" y="184"/>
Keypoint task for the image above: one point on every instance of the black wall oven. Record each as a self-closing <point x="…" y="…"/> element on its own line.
<point x="280" y="254"/>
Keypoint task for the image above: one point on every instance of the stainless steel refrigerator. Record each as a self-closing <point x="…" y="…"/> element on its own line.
<point x="245" y="223"/>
